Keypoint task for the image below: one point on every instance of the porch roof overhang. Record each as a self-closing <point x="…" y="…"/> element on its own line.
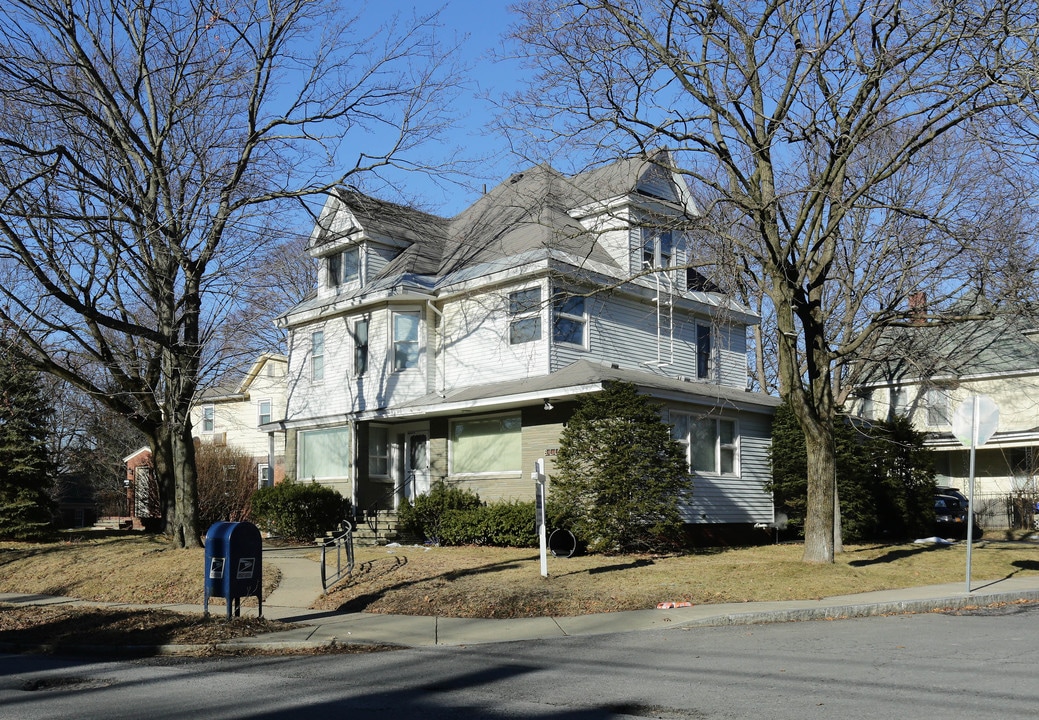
<point x="945" y="442"/>
<point x="573" y="381"/>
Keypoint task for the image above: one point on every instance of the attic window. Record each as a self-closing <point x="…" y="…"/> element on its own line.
<point x="343" y="267"/>
<point x="657" y="248"/>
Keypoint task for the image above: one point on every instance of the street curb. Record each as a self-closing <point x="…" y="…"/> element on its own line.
<point x="845" y="612"/>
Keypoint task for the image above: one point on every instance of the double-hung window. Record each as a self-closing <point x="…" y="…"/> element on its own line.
<point x="317" y="355"/>
<point x="264" y="407"/>
<point x="378" y="451"/>
<point x="712" y="444"/>
<point x="525" y="316"/>
<point x="937" y="407"/>
<point x="360" y="335"/>
<point x="343" y="267"/>
<point x="658" y="246"/>
<point x="405" y="340"/>
<point x="208" y="418"/>
<point x="703" y="351"/>
<point x="569" y="321"/>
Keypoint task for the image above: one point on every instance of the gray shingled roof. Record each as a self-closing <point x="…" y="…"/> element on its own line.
<point x="997" y="345"/>
<point x="526" y="213"/>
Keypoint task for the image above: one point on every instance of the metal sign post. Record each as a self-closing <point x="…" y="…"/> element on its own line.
<point x="973" y="424"/>
<point x="538" y="476"/>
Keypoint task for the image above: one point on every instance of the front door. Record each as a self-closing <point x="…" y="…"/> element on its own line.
<point x="416" y="464"/>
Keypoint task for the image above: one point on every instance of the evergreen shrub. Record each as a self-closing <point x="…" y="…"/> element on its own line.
<point x="298" y="511"/>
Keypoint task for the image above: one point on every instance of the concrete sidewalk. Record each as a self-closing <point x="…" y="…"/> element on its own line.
<point x="301" y="585"/>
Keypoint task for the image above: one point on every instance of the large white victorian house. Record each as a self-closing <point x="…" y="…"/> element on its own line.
<point x="453" y="350"/>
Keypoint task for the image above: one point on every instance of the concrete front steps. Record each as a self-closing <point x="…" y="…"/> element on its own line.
<point x="379" y="528"/>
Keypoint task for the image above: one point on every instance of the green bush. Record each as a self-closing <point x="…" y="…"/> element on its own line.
<point x="424" y="517"/>
<point x="298" y="511"/>
<point x="502" y="524"/>
<point x="451" y="516"/>
<point x="509" y="524"/>
<point x="620" y="477"/>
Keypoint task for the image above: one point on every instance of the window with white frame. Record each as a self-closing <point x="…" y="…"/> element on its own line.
<point x="317" y="355"/>
<point x="865" y="397"/>
<point x="323" y="453"/>
<point x="937" y="407"/>
<point x="486" y="445"/>
<point x="899" y="402"/>
<point x="658" y="247"/>
<point x="703" y="351"/>
<point x="263" y="476"/>
<point x="378" y="451"/>
<point x="264" y="411"/>
<point x="711" y="443"/>
<point x="208" y="418"/>
<point x="343" y="267"/>
<point x="569" y="321"/>
<point x="405" y="340"/>
<point x="360" y="337"/>
<point x="525" y="316"/>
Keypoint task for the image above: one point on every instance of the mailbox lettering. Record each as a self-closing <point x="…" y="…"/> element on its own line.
<point x="245" y="568"/>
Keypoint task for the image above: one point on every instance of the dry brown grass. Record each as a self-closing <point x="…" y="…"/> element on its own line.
<point x="502" y="583"/>
<point x="488" y="582"/>
<point x="110" y="568"/>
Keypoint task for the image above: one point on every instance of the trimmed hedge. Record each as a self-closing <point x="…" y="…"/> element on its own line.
<point x="451" y="516"/>
<point x="503" y="524"/>
<point x="299" y="511"/>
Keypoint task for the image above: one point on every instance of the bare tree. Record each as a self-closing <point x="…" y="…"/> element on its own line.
<point x="142" y="145"/>
<point x="847" y="147"/>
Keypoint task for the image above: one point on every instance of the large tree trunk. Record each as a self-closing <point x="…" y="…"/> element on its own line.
<point x="185" y="530"/>
<point x="819" y="544"/>
<point x="162" y="465"/>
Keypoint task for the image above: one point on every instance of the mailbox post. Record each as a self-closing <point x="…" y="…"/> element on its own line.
<point x="234" y="565"/>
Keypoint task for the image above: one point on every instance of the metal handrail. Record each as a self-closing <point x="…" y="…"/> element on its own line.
<point x="370" y="513"/>
<point x="343" y="540"/>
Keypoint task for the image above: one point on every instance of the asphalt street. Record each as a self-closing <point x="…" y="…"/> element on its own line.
<point x="963" y="664"/>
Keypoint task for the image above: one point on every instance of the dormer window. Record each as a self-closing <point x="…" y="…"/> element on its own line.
<point x="343" y="267"/>
<point x="658" y="247"/>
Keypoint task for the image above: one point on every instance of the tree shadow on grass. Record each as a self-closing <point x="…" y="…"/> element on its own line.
<point x="360" y="603"/>
<point x="895" y="555"/>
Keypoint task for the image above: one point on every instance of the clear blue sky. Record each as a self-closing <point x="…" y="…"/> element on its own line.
<point x="480" y="26"/>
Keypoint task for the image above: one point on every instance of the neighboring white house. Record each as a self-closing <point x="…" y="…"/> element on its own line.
<point x="233" y="416"/>
<point x="927" y="370"/>
<point x="454" y="349"/>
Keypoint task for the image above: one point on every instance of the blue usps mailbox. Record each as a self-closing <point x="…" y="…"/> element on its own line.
<point x="234" y="565"/>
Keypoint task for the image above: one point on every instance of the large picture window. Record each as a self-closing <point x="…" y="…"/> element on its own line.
<point x="486" y="445"/>
<point x="712" y="444"/>
<point x="524" y="316"/>
<point x="568" y="319"/>
<point x="324" y="453"/>
<point x="405" y="340"/>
